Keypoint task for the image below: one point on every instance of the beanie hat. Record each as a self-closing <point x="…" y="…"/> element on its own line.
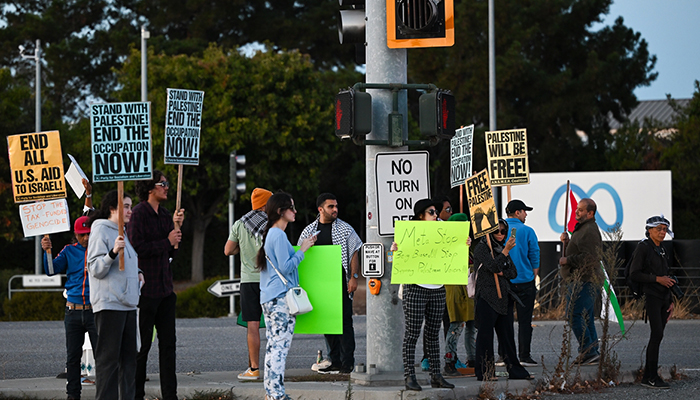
<point x="81" y="226"/>
<point x="459" y="217"/>
<point x="259" y="198"/>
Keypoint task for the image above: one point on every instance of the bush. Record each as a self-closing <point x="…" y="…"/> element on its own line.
<point x="35" y="306"/>
<point x="197" y="302"/>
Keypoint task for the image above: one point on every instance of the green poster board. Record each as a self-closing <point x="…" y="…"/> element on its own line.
<point x="320" y="274"/>
<point x="431" y="252"/>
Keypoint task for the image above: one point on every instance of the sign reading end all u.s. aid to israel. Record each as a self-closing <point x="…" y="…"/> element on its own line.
<point x="36" y="165"/>
<point x="121" y="141"/>
<point x="402" y="180"/>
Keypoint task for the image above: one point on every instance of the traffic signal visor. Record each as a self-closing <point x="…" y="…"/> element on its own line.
<point x="353" y="114"/>
<point x="420" y="23"/>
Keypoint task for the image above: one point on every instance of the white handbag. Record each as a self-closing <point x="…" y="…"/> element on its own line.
<point x="296" y="297"/>
<point x="471" y="282"/>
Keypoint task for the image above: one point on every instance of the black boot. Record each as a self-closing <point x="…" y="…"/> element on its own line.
<point x="412" y="384"/>
<point x="437" y="381"/>
<point x="450" y="369"/>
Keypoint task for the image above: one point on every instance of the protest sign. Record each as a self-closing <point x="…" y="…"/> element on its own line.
<point x="507" y="157"/>
<point x="36" y="165"/>
<point x="75" y="176"/>
<point x="44" y="217"/>
<point x="320" y="275"/>
<point x="183" y="124"/>
<point x="431" y="252"/>
<point x="482" y="207"/>
<point x="121" y="141"/>
<point x="461" y="155"/>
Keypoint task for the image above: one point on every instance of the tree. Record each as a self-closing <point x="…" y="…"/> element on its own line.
<point x="272" y="107"/>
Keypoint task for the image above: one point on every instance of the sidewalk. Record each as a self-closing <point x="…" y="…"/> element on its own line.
<point x="299" y="384"/>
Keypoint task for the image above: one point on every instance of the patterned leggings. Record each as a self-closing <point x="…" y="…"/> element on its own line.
<point x="279" y="333"/>
<point x="420" y="303"/>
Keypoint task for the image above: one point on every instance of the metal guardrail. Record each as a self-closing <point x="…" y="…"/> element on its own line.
<point x="43" y="289"/>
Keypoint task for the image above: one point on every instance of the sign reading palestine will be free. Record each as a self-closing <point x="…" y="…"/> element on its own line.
<point x="121" y="141"/>
<point x="507" y="157"/>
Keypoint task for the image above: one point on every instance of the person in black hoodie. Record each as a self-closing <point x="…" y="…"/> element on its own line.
<point x="649" y="267"/>
<point x="491" y="311"/>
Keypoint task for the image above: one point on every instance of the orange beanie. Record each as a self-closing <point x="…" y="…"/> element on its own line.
<point x="259" y="198"/>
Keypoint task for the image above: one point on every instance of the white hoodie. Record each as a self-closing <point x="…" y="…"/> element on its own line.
<point x="110" y="288"/>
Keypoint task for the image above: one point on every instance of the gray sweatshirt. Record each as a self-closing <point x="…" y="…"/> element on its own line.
<point x="110" y="288"/>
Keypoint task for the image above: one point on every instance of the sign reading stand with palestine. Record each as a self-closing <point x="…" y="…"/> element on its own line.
<point x="461" y="155"/>
<point x="482" y="207"/>
<point x="36" y="165"/>
<point x="183" y="124"/>
<point x="121" y="141"/>
<point x="507" y="157"/>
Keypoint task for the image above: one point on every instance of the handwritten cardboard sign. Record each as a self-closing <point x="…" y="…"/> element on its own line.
<point x="36" y="165"/>
<point x="183" y="124"/>
<point x="482" y="207"/>
<point x="44" y="217"/>
<point x="507" y="157"/>
<point x="431" y="252"/>
<point x="121" y="141"/>
<point x="461" y="155"/>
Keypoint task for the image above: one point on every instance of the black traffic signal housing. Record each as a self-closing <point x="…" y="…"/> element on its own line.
<point x="353" y="114"/>
<point x="351" y="27"/>
<point x="420" y="23"/>
<point x="236" y="175"/>
<point x="437" y="114"/>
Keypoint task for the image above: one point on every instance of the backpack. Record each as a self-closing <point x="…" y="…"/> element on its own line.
<point x="634" y="287"/>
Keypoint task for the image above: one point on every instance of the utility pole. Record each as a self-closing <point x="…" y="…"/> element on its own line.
<point x="144" y="66"/>
<point x="492" y="91"/>
<point x="384" y="313"/>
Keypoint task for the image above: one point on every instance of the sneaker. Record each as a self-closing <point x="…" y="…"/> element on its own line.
<point x="323" y="364"/>
<point x="425" y="365"/>
<point x="528" y="362"/>
<point x="655" y="383"/>
<point x="500" y="362"/>
<point x="86" y="381"/>
<point x="460" y="364"/>
<point x="249" y="375"/>
<point x="346" y="369"/>
<point x="587" y="360"/>
<point x="331" y="369"/>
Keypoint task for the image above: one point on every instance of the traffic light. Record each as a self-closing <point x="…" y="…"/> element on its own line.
<point x="437" y="114"/>
<point x="237" y="176"/>
<point x="351" y="27"/>
<point x="353" y="114"/>
<point x="419" y="23"/>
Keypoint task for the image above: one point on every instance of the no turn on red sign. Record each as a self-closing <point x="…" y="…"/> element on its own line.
<point x="402" y="179"/>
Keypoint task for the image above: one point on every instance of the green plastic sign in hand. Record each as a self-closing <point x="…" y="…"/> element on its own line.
<point x="431" y="252"/>
<point x="320" y="274"/>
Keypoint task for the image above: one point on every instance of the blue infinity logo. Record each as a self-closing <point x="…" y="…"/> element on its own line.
<point x="580" y="194"/>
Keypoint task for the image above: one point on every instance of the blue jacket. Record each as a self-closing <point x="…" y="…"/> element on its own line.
<point x="281" y="252"/>
<point x="526" y="253"/>
<point x="71" y="261"/>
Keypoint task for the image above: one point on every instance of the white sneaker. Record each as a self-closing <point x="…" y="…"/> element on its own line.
<point x="323" y="364"/>
<point x="249" y="375"/>
<point x="500" y="362"/>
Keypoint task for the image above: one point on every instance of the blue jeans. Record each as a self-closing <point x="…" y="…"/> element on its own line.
<point x="77" y="322"/>
<point x="279" y="334"/>
<point x="582" y="315"/>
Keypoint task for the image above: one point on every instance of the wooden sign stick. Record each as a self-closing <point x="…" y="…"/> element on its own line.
<point x="49" y="258"/>
<point x="495" y="275"/>
<point x="179" y="196"/>
<point x="566" y="215"/>
<point x="120" y="196"/>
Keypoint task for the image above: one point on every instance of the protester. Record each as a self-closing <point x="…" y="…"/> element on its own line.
<point x="334" y="231"/>
<point x="246" y="239"/>
<point x="461" y="312"/>
<point x="526" y="257"/>
<point x="649" y="266"/>
<point x="581" y="271"/>
<point x="154" y="236"/>
<point x="423" y="302"/>
<point x="114" y="296"/>
<point x="78" y="317"/>
<point x="277" y="253"/>
<point x="492" y="312"/>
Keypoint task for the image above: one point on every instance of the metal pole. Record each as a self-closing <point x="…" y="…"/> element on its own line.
<point x="384" y="65"/>
<point x="38" y="251"/>
<point x="492" y="90"/>
<point x="144" y="68"/>
<point x="231" y="260"/>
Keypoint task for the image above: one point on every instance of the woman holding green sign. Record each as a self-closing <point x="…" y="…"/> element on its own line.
<point x="423" y="302"/>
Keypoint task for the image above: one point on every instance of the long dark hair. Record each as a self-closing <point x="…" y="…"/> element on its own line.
<point x="143" y="187"/>
<point x="110" y="202"/>
<point x="278" y="202"/>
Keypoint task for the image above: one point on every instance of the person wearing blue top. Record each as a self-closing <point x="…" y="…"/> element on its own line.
<point x="277" y="253"/>
<point x="526" y="257"/>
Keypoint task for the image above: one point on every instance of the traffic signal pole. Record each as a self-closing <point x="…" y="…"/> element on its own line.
<point x="384" y="313"/>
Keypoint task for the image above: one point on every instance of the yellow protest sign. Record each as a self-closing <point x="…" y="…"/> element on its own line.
<point x="507" y="157"/>
<point x="431" y="252"/>
<point x="482" y="208"/>
<point x="36" y="165"/>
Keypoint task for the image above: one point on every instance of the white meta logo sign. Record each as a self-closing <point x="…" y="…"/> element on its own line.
<point x="402" y="180"/>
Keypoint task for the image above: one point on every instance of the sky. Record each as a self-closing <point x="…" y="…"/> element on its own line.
<point x="672" y="31"/>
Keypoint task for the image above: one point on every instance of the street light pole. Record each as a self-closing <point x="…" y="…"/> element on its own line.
<point x="38" y="252"/>
<point x="144" y="70"/>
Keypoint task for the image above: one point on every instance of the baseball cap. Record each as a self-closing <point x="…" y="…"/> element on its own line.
<point x="515" y="205"/>
<point x="81" y="225"/>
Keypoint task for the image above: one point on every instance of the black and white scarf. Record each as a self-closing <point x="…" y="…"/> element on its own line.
<point x="255" y="222"/>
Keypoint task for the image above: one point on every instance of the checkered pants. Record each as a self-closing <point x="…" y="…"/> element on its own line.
<point x="421" y="304"/>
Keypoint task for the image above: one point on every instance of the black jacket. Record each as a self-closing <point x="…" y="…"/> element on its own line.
<point x="649" y="261"/>
<point x="486" y="283"/>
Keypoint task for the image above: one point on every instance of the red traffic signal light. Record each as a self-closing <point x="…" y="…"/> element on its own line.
<point x="437" y="114"/>
<point x="353" y="114"/>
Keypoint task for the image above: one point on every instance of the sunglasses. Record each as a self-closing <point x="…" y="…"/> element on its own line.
<point x="294" y="209"/>
<point x="502" y="231"/>
<point x="432" y="211"/>
<point x="164" y="184"/>
<point x="448" y="210"/>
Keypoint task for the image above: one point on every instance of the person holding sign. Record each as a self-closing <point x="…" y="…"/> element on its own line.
<point x="423" y="302"/>
<point x="493" y="311"/>
<point x="277" y="254"/>
<point x="154" y="236"/>
<point x="114" y="296"/>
